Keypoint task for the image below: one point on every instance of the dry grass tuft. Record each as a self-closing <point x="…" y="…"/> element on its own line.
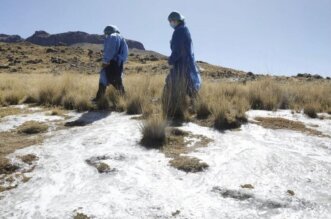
<point x="6" y="167"/>
<point x="32" y="127"/>
<point x="134" y="105"/>
<point x="10" y="141"/>
<point x="310" y="111"/>
<point x="154" y="133"/>
<point x="188" y="164"/>
<point x="175" y="102"/>
<point x="203" y="110"/>
<point x="225" y="117"/>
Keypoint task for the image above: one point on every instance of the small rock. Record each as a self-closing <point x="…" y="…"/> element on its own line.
<point x="4" y="66"/>
<point x="58" y="60"/>
<point x="247" y="186"/>
<point x="51" y="50"/>
<point x="290" y="192"/>
<point x="29" y="158"/>
<point x="36" y="61"/>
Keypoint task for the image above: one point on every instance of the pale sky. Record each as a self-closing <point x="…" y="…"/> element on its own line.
<point x="281" y="37"/>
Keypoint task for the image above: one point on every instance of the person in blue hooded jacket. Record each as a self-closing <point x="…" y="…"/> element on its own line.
<point x="181" y="60"/>
<point x="115" y="54"/>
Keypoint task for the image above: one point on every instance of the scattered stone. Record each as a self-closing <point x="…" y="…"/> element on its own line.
<point x="174" y="214"/>
<point x="4" y="66"/>
<point x="290" y="192"/>
<point x="35" y="61"/>
<point x="99" y="165"/>
<point x="188" y="164"/>
<point x="81" y="216"/>
<point x="58" y="60"/>
<point x="29" y="158"/>
<point x="90" y="53"/>
<point x="307" y="75"/>
<point x="247" y="186"/>
<point x="103" y="168"/>
<point x="235" y="194"/>
<point x="51" y="50"/>
<point x="316" y="76"/>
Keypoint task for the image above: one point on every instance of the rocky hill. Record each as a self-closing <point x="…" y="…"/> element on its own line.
<point x="68" y="38"/>
<point x="10" y="38"/>
<point x="26" y="57"/>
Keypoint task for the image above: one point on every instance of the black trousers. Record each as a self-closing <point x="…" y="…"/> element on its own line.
<point x="114" y="73"/>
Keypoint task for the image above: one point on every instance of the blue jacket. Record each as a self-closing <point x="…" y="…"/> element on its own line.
<point x="182" y="55"/>
<point x="115" y="48"/>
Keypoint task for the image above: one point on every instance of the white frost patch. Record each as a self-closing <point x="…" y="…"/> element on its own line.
<point x="8" y="123"/>
<point x="145" y="186"/>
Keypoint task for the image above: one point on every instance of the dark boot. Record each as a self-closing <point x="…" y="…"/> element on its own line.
<point x="101" y="92"/>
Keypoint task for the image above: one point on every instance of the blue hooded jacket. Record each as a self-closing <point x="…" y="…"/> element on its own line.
<point x="182" y="56"/>
<point x="115" y="48"/>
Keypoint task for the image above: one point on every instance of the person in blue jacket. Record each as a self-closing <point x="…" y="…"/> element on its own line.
<point x="115" y="54"/>
<point x="181" y="60"/>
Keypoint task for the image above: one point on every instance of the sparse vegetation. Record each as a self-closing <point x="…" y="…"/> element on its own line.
<point x="175" y="100"/>
<point x="281" y="123"/>
<point x="81" y="216"/>
<point x="6" y="167"/>
<point x="203" y="110"/>
<point x="154" y="133"/>
<point x="134" y="105"/>
<point x="310" y="111"/>
<point x="32" y="127"/>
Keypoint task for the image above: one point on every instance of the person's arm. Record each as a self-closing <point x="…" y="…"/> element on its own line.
<point x="109" y="50"/>
<point x="176" y="47"/>
<point x="125" y="51"/>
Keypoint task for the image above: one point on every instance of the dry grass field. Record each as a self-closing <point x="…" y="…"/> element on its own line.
<point x="67" y="78"/>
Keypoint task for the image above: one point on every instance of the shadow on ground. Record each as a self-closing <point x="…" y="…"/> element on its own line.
<point x="88" y="118"/>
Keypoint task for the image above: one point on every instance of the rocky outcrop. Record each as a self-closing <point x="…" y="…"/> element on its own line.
<point x="69" y="38"/>
<point x="65" y="39"/>
<point x="10" y="38"/>
<point x="309" y="76"/>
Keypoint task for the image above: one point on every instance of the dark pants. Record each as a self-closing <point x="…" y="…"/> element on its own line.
<point x="114" y="77"/>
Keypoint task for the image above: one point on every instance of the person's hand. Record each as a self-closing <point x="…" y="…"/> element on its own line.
<point x="104" y="65"/>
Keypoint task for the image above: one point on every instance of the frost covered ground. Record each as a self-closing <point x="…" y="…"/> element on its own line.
<point x="143" y="185"/>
